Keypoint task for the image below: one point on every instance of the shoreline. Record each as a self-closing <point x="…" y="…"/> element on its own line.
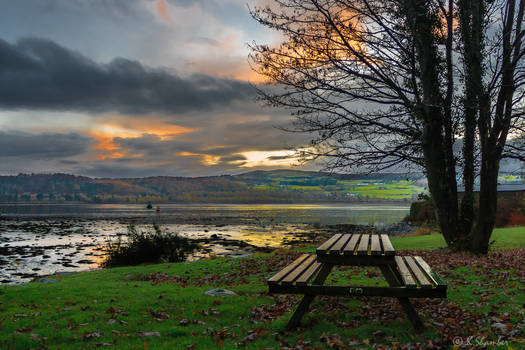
<point x="48" y="246"/>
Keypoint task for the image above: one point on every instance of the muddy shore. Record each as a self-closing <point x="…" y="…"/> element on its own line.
<point x="34" y="247"/>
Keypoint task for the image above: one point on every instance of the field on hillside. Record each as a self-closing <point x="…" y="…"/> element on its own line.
<point x="359" y="189"/>
<point x="164" y="306"/>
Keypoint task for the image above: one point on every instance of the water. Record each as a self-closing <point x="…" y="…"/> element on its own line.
<point x="364" y="214"/>
<point x="44" y="239"/>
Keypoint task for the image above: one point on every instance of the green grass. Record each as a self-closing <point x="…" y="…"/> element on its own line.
<point x="113" y="306"/>
<point x="504" y="238"/>
<point x="509" y="237"/>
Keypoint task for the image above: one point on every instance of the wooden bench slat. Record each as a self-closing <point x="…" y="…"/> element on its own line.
<point x="338" y="246"/>
<point x="408" y="280"/>
<point x="279" y="275"/>
<point x="420" y="275"/>
<point x="350" y="246"/>
<point x="375" y="247"/>
<point x="387" y="245"/>
<point x="323" y="248"/>
<point x="431" y="274"/>
<point x="363" y="245"/>
<point x="307" y="275"/>
<point x="292" y="276"/>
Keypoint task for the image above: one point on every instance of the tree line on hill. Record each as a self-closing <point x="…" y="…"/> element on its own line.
<point x="258" y="186"/>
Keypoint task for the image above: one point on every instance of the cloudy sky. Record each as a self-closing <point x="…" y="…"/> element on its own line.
<point x="125" y="88"/>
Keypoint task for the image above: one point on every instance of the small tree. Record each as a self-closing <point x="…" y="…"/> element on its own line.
<point x="382" y="84"/>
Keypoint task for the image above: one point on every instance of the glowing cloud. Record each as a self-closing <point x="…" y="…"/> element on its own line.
<point x="205" y="159"/>
<point x="269" y="159"/>
<point x="162" y="10"/>
<point x="117" y="126"/>
<point x="105" y="147"/>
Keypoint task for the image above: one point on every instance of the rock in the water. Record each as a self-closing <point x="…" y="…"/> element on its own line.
<point x="220" y="292"/>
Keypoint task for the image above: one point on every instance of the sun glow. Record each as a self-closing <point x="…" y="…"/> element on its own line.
<point x="206" y="159"/>
<point x="268" y="159"/>
<point x="119" y="127"/>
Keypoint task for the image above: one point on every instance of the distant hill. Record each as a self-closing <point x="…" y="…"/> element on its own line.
<point x="277" y="186"/>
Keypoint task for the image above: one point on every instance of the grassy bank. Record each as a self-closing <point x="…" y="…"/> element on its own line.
<point x="503" y="238"/>
<point x="164" y="306"/>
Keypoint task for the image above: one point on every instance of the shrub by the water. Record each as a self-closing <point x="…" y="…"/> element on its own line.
<point x="422" y="211"/>
<point x="148" y="247"/>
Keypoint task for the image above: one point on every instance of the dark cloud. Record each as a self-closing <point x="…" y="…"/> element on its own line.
<point x="282" y="157"/>
<point x="178" y="166"/>
<point x="69" y="162"/>
<point x="40" y="74"/>
<point x="43" y="146"/>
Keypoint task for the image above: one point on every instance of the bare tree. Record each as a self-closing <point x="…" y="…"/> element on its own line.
<point x="389" y="83"/>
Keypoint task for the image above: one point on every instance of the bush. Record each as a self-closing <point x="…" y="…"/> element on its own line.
<point x="148" y="247"/>
<point x="422" y="212"/>
<point x="510" y="209"/>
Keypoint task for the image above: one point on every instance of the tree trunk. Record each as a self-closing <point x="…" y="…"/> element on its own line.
<point x="442" y="185"/>
<point x="488" y="203"/>
<point x="437" y="131"/>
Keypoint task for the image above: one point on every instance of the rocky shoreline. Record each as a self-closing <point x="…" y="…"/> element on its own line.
<point x="35" y="248"/>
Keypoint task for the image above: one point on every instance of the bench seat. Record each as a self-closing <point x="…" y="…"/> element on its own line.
<point x="416" y="278"/>
<point x="299" y="272"/>
<point x="416" y="273"/>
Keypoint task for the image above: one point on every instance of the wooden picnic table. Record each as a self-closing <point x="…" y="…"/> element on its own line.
<point x="406" y="276"/>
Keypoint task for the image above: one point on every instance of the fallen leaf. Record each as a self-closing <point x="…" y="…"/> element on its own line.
<point x="24" y="330"/>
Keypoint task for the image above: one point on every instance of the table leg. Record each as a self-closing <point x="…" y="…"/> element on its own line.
<point x="394" y="279"/>
<point x="307" y="299"/>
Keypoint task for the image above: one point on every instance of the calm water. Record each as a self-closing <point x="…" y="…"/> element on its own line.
<point x="364" y="214"/>
<point x="39" y="240"/>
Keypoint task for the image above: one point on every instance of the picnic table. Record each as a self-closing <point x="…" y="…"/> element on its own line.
<point x="407" y="277"/>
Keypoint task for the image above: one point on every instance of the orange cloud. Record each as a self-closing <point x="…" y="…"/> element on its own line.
<point x="134" y="127"/>
<point x="162" y="10"/>
<point x="105" y="133"/>
<point x="205" y="159"/>
<point x="105" y="147"/>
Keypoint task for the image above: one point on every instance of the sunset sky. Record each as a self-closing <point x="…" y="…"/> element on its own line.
<point x="128" y="88"/>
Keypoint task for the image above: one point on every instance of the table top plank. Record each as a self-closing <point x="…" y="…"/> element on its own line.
<point x="363" y="245"/>
<point x="350" y="246"/>
<point x="298" y="271"/>
<point x="338" y="246"/>
<point x="387" y="245"/>
<point x="408" y="280"/>
<point x="433" y="276"/>
<point x="420" y="275"/>
<point x="281" y="274"/>
<point x="375" y="247"/>
<point x="323" y="248"/>
<point x="307" y="275"/>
